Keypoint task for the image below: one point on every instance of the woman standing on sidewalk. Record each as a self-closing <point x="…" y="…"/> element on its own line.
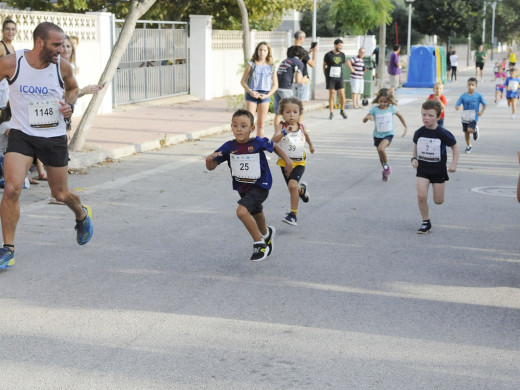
<point x="6" y="48"/>
<point x="260" y="83"/>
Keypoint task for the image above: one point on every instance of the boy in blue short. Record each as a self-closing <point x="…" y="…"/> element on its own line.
<point x="470" y="103"/>
<point x="430" y="158"/>
<point x="511" y="84"/>
<point x="251" y="178"/>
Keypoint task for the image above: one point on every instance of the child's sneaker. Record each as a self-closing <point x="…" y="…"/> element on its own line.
<point x="331" y="116"/>
<point x="468" y="149"/>
<point x="426" y="227"/>
<point x="271" y="231"/>
<point x="385" y="177"/>
<point x="260" y="252"/>
<point x="84" y="228"/>
<point x="290" y="218"/>
<point x="6" y="258"/>
<point x="304" y="193"/>
<point x="387" y="170"/>
<point x="345" y="116"/>
<point x="476" y="134"/>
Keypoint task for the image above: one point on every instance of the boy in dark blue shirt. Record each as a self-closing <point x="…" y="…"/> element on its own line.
<point x="430" y="158"/>
<point x="251" y="178"/>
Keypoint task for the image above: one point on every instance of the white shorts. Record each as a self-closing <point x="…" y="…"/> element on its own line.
<point x="357" y="85"/>
<point x="394" y="80"/>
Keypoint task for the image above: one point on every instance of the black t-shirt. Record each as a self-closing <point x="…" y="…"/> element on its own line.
<point x="332" y="59"/>
<point x="305" y="59"/>
<point x="431" y="149"/>
<point x="286" y="72"/>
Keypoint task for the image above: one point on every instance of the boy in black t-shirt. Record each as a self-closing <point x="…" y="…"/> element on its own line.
<point x="430" y="158"/>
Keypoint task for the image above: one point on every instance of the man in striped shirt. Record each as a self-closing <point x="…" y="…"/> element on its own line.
<point x="357" y="69"/>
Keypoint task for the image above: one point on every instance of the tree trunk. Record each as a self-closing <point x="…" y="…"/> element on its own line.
<point x="137" y="9"/>
<point x="245" y="30"/>
<point x="382" y="54"/>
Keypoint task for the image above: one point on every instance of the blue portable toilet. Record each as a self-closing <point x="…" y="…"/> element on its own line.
<point x="424" y="66"/>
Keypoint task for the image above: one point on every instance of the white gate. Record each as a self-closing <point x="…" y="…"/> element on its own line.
<point x="155" y="64"/>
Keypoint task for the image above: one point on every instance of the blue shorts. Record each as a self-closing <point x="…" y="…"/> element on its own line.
<point x="377" y="141"/>
<point x="278" y="96"/>
<point x="470" y="125"/>
<point x="499" y="88"/>
<point x="301" y="91"/>
<point x="249" y="98"/>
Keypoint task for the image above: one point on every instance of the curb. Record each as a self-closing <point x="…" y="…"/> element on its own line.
<point x="93" y="157"/>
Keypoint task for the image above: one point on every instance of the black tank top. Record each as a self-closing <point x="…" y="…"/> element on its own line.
<point x="7" y="52"/>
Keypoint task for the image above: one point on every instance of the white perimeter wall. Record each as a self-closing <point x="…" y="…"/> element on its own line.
<point x="92" y="53"/>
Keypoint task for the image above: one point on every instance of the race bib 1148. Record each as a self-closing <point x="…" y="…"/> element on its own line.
<point x="44" y="113"/>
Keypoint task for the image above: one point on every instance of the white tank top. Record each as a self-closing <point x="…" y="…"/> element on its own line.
<point x="34" y="96"/>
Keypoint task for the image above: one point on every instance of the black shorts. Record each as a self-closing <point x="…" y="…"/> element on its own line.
<point x="52" y="151"/>
<point x="437" y="177"/>
<point x="333" y="83"/>
<point x="296" y="173"/>
<point x="377" y="141"/>
<point x="480" y="65"/>
<point x="252" y="200"/>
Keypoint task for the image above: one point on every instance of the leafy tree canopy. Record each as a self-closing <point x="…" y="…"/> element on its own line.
<point x="506" y="21"/>
<point x="263" y="15"/>
<point x="358" y="16"/>
<point x="446" y="18"/>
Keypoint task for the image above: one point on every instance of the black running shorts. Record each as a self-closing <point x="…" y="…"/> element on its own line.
<point x="252" y="200"/>
<point x="334" y="83"/>
<point x="296" y="173"/>
<point x="52" y="151"/>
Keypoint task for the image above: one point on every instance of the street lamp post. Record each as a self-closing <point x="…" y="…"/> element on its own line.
<point x="484" y="24"/>
<point x="494" y="6"/>
<point x="409" y="38"/>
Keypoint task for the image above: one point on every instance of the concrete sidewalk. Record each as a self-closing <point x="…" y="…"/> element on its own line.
<point x="151" y="125"/>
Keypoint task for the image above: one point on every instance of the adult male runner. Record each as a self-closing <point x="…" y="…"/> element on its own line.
<point x="42" y="93"/>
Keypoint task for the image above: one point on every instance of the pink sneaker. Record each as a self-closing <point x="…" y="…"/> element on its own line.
<point x="386" y="170"/>
<point x="385" y="177"/>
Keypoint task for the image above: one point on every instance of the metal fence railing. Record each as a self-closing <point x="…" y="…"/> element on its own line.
<point x="155" y="64"/>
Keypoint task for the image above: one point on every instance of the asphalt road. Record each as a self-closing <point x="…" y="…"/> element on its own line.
<point x="165" y="297"/>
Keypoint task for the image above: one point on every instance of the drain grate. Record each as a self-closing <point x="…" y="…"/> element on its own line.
<point x="496" y="190"/>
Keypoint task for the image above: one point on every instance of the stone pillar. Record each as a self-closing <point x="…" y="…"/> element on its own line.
<point x="106" y="29"/>
<point x="200" y="56"/>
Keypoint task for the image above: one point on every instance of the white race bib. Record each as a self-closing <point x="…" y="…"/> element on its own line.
<point x="44" y="113"/>
<point x="245" y="168"/>
<point x="513" y="85"/>
<point x="335" y="71"/>
<point x="468" y="116"/>
<point x="293" y="145"/>
<point x="429" y="149"/>
<point x="384" y="122"/>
